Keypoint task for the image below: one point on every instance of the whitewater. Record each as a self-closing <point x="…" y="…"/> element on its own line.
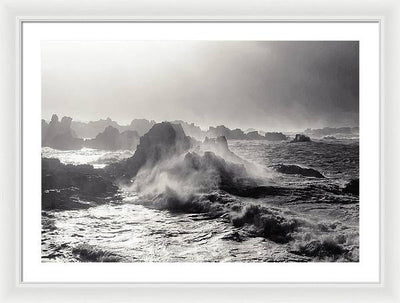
<point x="314" y="223"/>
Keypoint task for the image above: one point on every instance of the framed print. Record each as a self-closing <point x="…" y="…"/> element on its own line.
<point x="227" y="154"/>
<point x="231" y="146"/>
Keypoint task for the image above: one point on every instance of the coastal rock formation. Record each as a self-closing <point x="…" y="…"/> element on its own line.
<point x="298" y="170"/>
<point x="191" y="129"/>
<point x="93" y="128"/>
<point x="221" y="130"/>
<point x="162" y="141"/>
<point x="141" y="126"/>
<point x="353" y="187"/>
<point x="59" y="135"/>
<point x="301" y="138"/>
<point x="111" y="139"/>
<point x="274" y="136"/>
<point x="254" y="135"/>
<point x="74" y="186"/>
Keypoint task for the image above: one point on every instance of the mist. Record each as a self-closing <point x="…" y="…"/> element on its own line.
<point x="266" y="85"/>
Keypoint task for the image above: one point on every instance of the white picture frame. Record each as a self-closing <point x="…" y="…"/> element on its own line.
<point x="13" y="290"/>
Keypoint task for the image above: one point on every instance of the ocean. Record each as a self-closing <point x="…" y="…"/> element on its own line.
<point x="315" y="220"/>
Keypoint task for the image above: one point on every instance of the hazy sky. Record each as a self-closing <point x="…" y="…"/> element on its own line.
<point x="246" y="84"/>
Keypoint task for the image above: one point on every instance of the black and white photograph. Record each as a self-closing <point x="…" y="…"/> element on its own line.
<point x="199" y="151"/>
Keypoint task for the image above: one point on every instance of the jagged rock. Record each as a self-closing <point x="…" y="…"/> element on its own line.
<point x="191" y="129"/>
<point x="254" y="135"/>
<point x="58" y="134"/>
<point x="93" y="128"/>
<point x="74" y="187"/>
<point x="353" y="187"/>
<point x="221" y="130"/>
<point x="301" y="138"/>
<point x="111" y="139"/>
<point x="275" y="136"/>
<point x="298" y="170"/>
<point x="141" y="126"/>
<point x="163" y="140"/>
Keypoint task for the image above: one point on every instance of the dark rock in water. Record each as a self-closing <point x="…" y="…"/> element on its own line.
<point x="301" y="138"/>
<point x="163" y="140"/>
<point x="298" y="170"/>
<point x="58" y="134"/>
<point x="254" y="135"/>
<point x="74" y="187"/>
<point x="111" y="139"/>
<point x="275" y="137"/>
<point x="329" y="138"/>
<point x="353" y="187"/>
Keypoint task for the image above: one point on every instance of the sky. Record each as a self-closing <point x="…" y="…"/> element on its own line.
<point x="265" y="85"/>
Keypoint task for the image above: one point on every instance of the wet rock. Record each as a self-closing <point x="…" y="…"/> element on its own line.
<point x="254" y="135"/>
<point x="298" y="170"/>
<point x="74" y="187"/>
<point x="112" y="139"/>
<point x="353" y="187"/>
<point x="163" y="140"/>
<point x="221" y="130"/>
<point x="274" y="136"/>
<point x="301" y="138"/>
<point x="59" y="135"/>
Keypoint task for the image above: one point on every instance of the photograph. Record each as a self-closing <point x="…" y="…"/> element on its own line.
<point x="199" y="151"/>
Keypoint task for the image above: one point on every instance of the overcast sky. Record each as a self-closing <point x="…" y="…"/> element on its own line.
<point x="246" y="84"/>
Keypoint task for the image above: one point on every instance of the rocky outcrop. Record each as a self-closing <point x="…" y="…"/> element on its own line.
<point x="191" y="129"/>
<point x="162" y="141"/>
<point x="74" y="186"/>
<point x="254" y="135"/>
<point x="221" y="130"/>
<point x="298" y="170"/>
<point x="59" y="135"/>
<point x="112" y="139"/>
<point x="353" y="187"/>
<point x="300" y="138"/>
<point x="92" y="128"/>
<point x="274" y="136"/>
<point x="141" y="126"/>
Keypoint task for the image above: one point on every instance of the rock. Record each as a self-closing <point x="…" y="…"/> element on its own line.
<point x="111" y="139"/>
<point x="275" y="136"/>
<point x="221" y="130"/>
<point x="191" y="129"/>
<point x="163" y="140"/>
<point x="141" y="126"/>
<point x="58" y="135"/>
<point x="298" y="170"/>
<point x="254" y="135"/>
<point x="301" y="138"/>
<point x="74" y="187"/>
<point x="92" y="128"/>
<point x="353" y="187"/>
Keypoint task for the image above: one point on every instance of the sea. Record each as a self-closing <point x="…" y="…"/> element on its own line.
<point x="327" y="221"/>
